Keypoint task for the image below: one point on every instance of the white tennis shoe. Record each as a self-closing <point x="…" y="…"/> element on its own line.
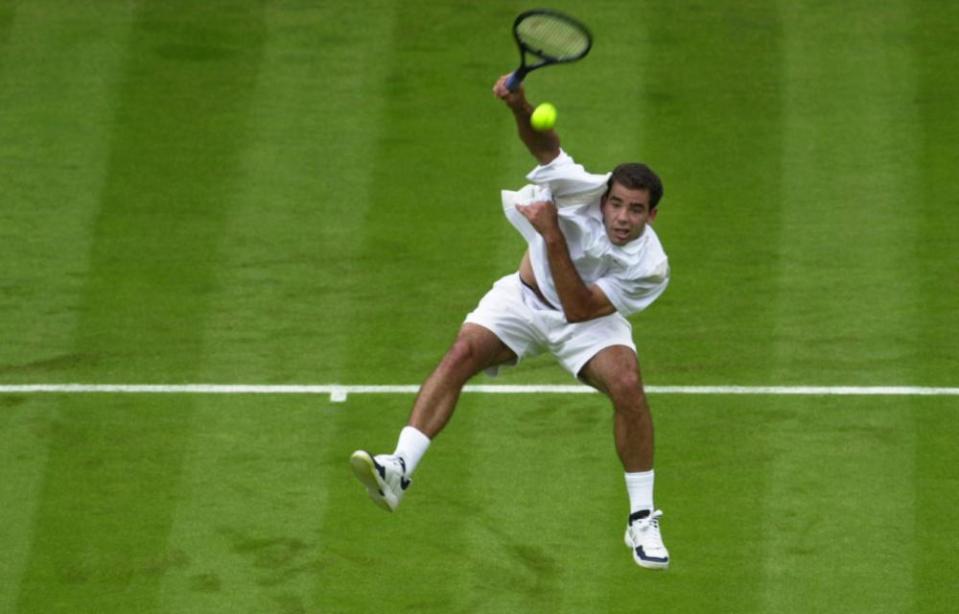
<point x="383" y="475"/>
<point x="646" y="542"/>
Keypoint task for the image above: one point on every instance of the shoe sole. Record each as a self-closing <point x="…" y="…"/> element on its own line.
<point x="365" y="471"/>
<point x="650" y="565"/>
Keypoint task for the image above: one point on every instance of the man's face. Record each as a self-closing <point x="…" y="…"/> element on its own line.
<point x="626" y="213"/>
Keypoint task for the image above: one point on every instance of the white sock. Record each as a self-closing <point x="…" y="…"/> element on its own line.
<point x="639" y="485"/>
<point x="411" y="447"/>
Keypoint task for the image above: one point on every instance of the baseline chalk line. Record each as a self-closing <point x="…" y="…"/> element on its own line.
<point x="339" y="393"/>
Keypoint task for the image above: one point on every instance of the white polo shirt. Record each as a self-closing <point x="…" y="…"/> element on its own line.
<point x="632" y="276"/>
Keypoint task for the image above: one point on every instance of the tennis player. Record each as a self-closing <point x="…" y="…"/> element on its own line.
<point x="592" y="259"/>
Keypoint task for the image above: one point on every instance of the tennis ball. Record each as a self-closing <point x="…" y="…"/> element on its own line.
<point x="543" y="118"/>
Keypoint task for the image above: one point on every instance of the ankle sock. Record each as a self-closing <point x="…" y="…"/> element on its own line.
<point x="411" y="447"/>
<point x="639" y="486"/>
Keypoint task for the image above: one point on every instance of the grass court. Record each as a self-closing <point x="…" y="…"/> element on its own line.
<point x="307" y="192"/>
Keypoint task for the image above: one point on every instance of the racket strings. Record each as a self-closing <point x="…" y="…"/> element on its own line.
<point x="552" y="37"/>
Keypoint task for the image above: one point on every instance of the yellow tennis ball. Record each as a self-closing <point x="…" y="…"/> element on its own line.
<point x="543" y="118"/>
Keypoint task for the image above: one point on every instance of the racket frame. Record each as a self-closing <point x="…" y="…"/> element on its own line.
<point x="517" y="76"/>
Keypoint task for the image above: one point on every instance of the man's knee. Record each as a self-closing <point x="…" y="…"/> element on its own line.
<point x="475" y="349"/>
<point x="625" y="388"/>
<point x="464" y="357"/>
<point x="462" y="352"/>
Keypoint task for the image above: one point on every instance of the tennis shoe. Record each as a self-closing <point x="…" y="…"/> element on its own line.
<point x="646" y="542"/>
<point x="383" y="475"/>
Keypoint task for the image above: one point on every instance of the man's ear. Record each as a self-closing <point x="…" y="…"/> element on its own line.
<point x="652" y="213"/>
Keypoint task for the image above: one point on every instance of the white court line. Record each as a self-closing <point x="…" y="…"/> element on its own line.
<point x="339" y="393"/>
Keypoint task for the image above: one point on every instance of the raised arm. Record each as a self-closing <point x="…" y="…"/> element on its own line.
<point x="543" y="145"/>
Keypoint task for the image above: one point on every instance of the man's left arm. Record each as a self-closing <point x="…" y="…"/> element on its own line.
<point x="579" y="301"/>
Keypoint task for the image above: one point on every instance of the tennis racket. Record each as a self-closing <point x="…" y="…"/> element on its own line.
<point x="546" y="37"/>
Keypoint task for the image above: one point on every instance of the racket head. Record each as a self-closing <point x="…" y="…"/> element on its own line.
<point x="552" y="36"/>
<point x="549" y="36"/>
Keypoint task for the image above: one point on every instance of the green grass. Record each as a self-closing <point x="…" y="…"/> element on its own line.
<point x="297" y="192"/>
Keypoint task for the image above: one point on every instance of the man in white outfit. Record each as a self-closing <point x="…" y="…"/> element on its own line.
<point x="592" y="259"/>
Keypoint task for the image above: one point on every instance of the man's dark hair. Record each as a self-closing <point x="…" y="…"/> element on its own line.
<point x="636" y="176"/>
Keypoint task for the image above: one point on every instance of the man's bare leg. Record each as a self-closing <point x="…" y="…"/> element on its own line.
<point x="615" y="371"/>
<point x="476" y="348"/>
<point x="386" y="477"/>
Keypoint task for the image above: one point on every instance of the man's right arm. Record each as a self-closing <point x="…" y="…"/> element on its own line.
<point x="543" y="145"/>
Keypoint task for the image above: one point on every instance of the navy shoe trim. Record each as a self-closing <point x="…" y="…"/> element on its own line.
<point x="404" y="481"/>
<point x="639" y="515"/>
<point x="380" y="469"/>
<point x="654" y="559"/>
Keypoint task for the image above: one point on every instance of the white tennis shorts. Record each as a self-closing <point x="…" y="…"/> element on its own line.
<point x="529" y="327"/>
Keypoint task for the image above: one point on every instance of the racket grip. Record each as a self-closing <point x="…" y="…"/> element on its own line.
<point x="514" y="81"/>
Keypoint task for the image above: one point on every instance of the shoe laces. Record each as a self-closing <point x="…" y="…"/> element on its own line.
<point x="646" y="530"/>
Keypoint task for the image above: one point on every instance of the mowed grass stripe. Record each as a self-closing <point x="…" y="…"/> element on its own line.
<point x="707" y="112"/>
<point x="108" y="495"/>
<point x="845" y="309"/>
<point x="57" y="81"/>
<point x="934" y="205"/>
<point x="429" y="231"/>
<point x="398" y="304"/>
<point x="8" y="13"/>
<point x="25" y="427"/>
<point x="285" y="288"/>
<point x="848" y="301"/>
<point x="58" y="74"/>
<point x="710" y="113"/>
<point x="290" y="270"/>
